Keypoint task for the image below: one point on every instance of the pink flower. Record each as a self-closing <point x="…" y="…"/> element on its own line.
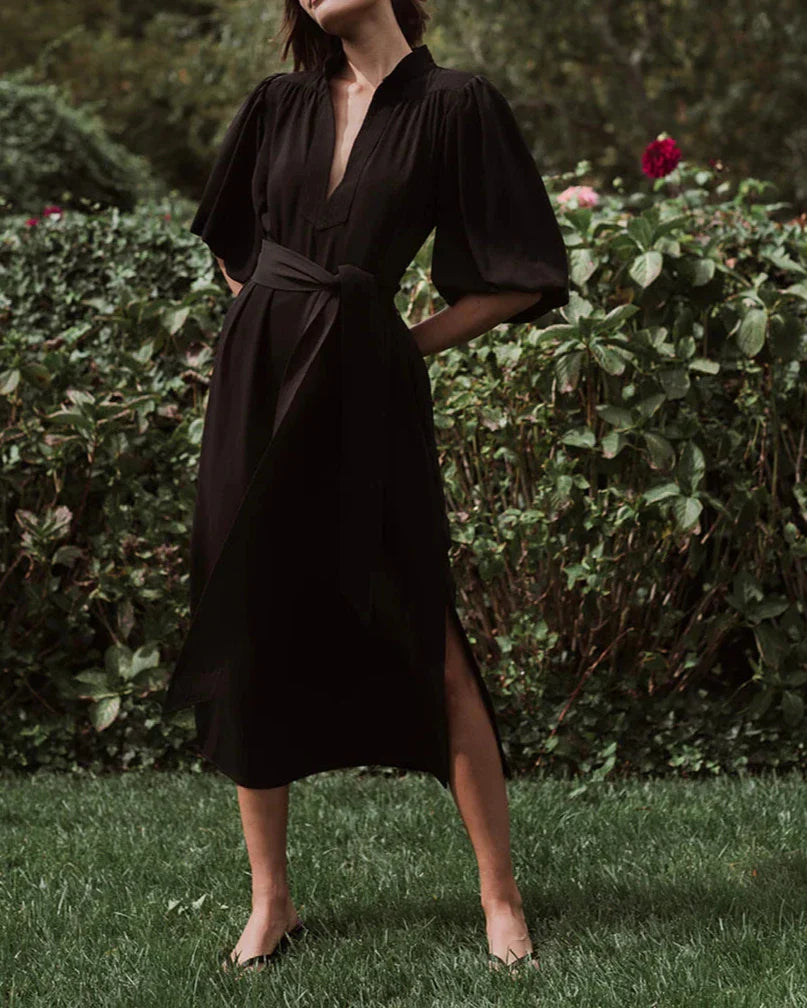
<point x="584" y="195"/>
<point x="660" y="156"/>
<point x="51" y="210"/>
<point x="31" y="221"/>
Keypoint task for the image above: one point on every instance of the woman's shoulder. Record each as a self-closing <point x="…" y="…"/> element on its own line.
<point x="462" y="87"/>
<point x="291" y="79"/>
<point x="445" y="78"/>
<point x="458" y="88"/>
<point x="282" y="84"/>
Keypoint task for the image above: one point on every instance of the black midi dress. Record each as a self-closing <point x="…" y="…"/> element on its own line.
<point x="320" y="581"/>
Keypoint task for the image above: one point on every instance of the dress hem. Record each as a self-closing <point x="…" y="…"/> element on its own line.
<point x="338" y="765"/>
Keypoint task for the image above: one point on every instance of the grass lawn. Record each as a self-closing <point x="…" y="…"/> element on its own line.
<point x="127" y="890"/>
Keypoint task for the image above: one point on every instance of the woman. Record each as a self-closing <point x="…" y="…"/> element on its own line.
<point x="324" y="631"/>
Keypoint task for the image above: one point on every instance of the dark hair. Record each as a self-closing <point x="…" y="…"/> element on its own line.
<point x="311" y="46"/>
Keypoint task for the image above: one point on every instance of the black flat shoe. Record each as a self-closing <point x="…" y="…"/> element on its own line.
<point x="496" y="962"/>
<point x="257" y="961"/>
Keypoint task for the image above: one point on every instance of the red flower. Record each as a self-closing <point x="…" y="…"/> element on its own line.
<point x="660" y="157"/>
<point x="51" y="210"/>
<point x="31" y="221"/>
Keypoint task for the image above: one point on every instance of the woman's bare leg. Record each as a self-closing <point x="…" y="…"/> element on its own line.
<point x="479" y="790"/>
<point x="264" y="816"/>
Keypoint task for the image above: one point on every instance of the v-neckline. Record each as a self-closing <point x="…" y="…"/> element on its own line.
<point x="326" y="210"/>
<point x="331" y="144"/>
<point x="326" y="199"/>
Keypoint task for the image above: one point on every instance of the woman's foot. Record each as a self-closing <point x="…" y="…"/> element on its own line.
<point x="508" y="938"/>
<point x="264" y="929"/>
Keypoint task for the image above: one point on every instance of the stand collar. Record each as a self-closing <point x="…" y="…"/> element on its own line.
<point x="416" y="61"/>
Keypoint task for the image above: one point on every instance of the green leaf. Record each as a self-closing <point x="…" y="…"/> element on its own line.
<point x="691" y="467"/>
<point x="660" y="449"/>
<point x="704" y="364"/>
<point x="771" y="643"/>
<point x="72" y="418"/>
<point x="118" y="661"/>
<point x="580" y="437"/>
<point x="613" y="443"/>
<point x="507" y="353"/>
<point x="504" y="643"/>
<point x="669" y="246"/>
<point x="770" y="608"/>
<point x="779" y="258"/>
<point x="648" y="406"/>
<point x="66" y="555"/>
<point x="698" y="271"/>
<point x="792" y="707"/>
<point x="73" y="334"/>
<point x="174" y="319"/>
<point x="685" y="348"/>
<point x="609" y="360"/>
<point x="9" y="380"/>
<point x="581" y="265"/>
<point x="674" y="381"/>
<point x="80" y="397"/>
<point x="797" y="678"/>
<point x="567" y="368"/>
<point x="747" y="589"/>
<point x="760" y="703"/>
<point x="661" y="492"/>
<point x="687" y="510"/>
<point x="144" y="354"/>
<point x="577" y="308"/>
<point x="103" y="712"/>
<point x="641" y="230"/>
<point x="96" y="678"/>
<point x="646" y="268"/>
<point x="616" y="416"/>
<point x="195" y="430"/>
<point x="147" y="656"/>
<point x="574" y="573"/>
<point x="559" y="329"/>
<point x="752" y="330"/>
<point x="616" y="316"/>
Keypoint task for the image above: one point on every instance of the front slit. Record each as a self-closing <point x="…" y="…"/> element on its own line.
<point x="451" y="610"/>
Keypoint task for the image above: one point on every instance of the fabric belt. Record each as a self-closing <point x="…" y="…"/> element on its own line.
<point x="352" y="296"/>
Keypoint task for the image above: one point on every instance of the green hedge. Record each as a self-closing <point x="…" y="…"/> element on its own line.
<point x="106" y="355"/>
<point x="625" y="484"/>
<point x="54" y="153"/>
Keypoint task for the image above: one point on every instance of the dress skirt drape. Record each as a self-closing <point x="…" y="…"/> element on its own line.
<point x="319" y="570"/>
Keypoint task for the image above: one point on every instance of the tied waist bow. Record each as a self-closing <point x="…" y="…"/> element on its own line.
<point x="350" y="298"/>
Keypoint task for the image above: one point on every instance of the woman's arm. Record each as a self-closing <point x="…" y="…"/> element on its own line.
<point x="234" y="285"/>
<point x="470" y="316"/>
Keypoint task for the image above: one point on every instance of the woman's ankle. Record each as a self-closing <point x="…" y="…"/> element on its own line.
<point x="503" y="898"/>
<point x="273" y="903"/>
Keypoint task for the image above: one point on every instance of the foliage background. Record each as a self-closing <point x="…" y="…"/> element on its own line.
<point x="589" y="79"/>
<point x="626" y="483"/>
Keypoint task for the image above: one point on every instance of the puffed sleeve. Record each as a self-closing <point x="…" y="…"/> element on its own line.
<point x="228" y="215"/>
<point x="495" y="226"/>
